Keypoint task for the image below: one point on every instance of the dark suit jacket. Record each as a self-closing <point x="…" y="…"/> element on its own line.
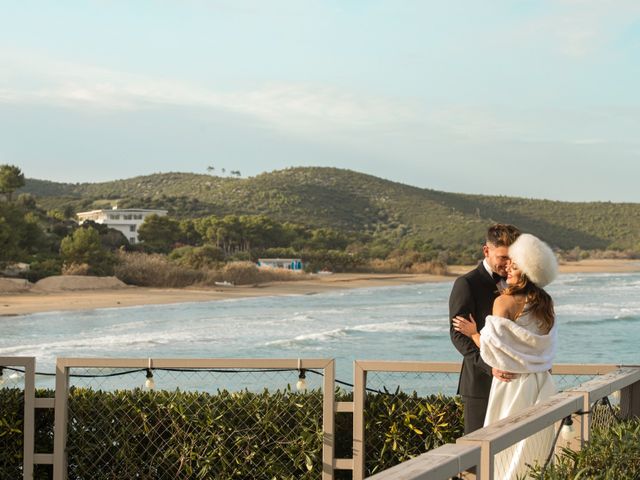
<point x="472" y="293"/>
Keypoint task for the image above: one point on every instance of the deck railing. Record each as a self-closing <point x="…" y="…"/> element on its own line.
<point x="583" y="385"/>
<point x="576" y="402"/>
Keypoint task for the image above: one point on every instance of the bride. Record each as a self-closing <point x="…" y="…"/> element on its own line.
<point x="520" y="337"/>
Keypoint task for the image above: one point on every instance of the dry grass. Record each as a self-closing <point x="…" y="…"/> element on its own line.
<point x="76" y="269"/>
<point x="404" y="265"/>
<point x="280" y="275"/>
<point x="155" y="270"/>
<point x="247" y="273"/>
<point x="433" y="267"/>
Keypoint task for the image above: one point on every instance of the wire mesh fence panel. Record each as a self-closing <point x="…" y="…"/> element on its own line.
<point x="423" y="383"/>
<point x="408" y="413"/>
<point x="565" y="382"/>
<point x="200" y="423"/>
<point x="605" y="413"/>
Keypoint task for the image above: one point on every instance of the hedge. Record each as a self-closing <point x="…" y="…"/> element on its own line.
<point x="173" y="434"/>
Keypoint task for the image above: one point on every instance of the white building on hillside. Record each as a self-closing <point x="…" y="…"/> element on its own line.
<point x="127" y="220"/>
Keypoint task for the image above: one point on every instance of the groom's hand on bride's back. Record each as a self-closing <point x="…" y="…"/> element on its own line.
<point x="502" y="375"/>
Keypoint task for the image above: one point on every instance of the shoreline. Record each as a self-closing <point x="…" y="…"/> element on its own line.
<point x="28" y="302"/>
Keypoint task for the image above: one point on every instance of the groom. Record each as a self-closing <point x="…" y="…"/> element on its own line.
<point x="472" y="296"/>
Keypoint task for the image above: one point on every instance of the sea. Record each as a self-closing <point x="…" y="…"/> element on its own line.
<point x="598" y="319"/>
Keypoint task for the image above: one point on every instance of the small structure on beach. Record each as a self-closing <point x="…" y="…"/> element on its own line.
<point x="293" y="264"/>
<point x="126" y="220"/>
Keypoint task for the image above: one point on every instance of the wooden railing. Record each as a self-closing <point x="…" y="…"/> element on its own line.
<point x="495" y="438"/>
<point x="476" y="449"/>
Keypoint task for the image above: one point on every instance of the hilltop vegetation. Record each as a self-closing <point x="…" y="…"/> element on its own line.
<point x="375" y="209"/>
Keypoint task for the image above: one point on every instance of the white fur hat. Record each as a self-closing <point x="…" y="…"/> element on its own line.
<point x="535" y="259"/>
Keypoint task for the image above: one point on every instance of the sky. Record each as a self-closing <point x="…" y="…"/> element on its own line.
<point x="526" y="98"/>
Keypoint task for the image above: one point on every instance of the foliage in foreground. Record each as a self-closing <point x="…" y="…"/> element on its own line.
<point x="174" y="434"/>
<point x="612" y="454"/>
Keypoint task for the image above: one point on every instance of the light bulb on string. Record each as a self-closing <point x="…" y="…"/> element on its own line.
<point x="567" y="430"/>
<point x="616" y="395"/>
<point x="150" y="383"/>
<point x="301" y="384"/>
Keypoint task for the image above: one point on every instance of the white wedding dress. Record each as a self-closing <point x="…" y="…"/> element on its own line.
<point x="520" y="347"/>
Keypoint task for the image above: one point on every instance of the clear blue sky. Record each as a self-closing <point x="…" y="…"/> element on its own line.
<point x="515" y="97"/>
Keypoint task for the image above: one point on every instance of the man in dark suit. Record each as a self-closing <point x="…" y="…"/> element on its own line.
<point x="472" y="297"/>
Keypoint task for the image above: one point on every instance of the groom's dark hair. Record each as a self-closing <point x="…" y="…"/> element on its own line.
<point x="502" y="234"/>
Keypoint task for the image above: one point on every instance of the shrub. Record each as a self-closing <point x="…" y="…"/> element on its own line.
<point x="334" y="260"/>
<point x="280" y="275"/>
<point x="207" y="256"/>
<point x="401" y="426"/>
<point x="407" y="264"/>
<point x="84" y="247"/>
<point x="76" y="269"/>
<point x="241" y="273"/>
<point x="154" y="270"/>
<point x="45" y="267"/>
<point x="613" y="453"/>
<point x="432" y="267"/>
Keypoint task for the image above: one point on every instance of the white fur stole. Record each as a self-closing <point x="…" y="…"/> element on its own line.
<point x="505" y="345"/>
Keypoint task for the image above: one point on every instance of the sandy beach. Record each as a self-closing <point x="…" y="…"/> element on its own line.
<point x="32" y="301"/>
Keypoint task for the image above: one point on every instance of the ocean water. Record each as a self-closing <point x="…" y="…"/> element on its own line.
<point x="598" y="318"/>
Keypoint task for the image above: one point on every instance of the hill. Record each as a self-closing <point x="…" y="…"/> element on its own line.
<point x="358" y="203"/>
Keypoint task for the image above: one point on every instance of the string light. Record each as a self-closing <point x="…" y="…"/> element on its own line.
<point x="1" y="375"/>
<point x="150" y="383"/>
<point x="567" y="430"/>
<point x="301" y="384"/>
<point x="616" y="395"/>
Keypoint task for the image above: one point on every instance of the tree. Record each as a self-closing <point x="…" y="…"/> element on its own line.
<point x="84" y="247"/>
<point x="189" y="234"/>
<point x="159" y="234"/>
<point x="27" y="201"/>
<point x="11" y="179"/>
<point x="20" y="233"/>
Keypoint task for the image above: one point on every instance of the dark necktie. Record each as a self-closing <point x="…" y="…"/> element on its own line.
<point x="496" y="277"/>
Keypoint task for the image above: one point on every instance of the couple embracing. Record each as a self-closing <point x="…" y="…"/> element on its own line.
<point x="502" y="321"/>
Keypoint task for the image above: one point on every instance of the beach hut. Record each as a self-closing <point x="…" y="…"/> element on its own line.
<point x="293" y="264"/>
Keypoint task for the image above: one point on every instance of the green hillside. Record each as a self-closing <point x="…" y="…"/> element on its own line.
<point x="358" y="203"/>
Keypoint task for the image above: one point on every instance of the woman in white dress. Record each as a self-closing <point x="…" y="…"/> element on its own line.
<point x="520" y="337"/>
